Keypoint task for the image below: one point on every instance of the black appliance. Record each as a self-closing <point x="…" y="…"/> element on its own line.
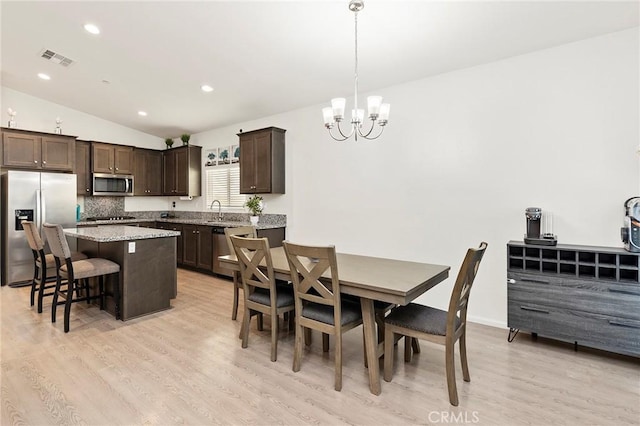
<point x="630" y="232"/>
<point x="539" y="231"/>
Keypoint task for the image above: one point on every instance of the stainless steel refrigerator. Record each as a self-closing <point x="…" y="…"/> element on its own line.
<point x="38" y="197"/>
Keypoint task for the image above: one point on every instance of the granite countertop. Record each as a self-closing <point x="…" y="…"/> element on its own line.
<point x="223" y="224"/>
<point x="103" y="234"/>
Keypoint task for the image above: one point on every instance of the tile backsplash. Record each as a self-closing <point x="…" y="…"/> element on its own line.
<point x="103" y="206"/>
<point x="114" y="206"/>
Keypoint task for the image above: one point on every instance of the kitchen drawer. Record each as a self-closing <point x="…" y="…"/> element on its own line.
<point x="572" y="282"/>
<point x="612" y="333"/>
<point x="600" y="301"/>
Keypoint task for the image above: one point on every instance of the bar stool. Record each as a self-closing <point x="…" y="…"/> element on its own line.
<point x="72" y="272"/>
<point x="44" y="270"/>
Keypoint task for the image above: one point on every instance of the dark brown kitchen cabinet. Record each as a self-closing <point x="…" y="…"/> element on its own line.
<point x="262" y="161"/>
<point x="175" y="227"/>
<point x="147" y="224"/>
<point x="38" y="151"/>
<point x="181" y="171"/>
<point x="147" y="172"/>
<point x="198" y="247"/>
<point x="83" y="167"/>
<point x="113" y="159"/>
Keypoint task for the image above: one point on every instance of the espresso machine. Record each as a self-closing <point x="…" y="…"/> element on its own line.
<point x="539" y="227"/>
<point x="630" y="232"/>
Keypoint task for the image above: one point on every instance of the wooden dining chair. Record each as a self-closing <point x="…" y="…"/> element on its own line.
<point x="443" y="327"/>
<point x="72" y="272"/>
<point x="240" y="231"/>
<point x="319" y="305"/>
<point x="44" y="265"/>
<point x="262" y="295"/>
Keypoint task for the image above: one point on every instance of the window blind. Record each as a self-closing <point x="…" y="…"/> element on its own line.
<point x="223" y="183"/>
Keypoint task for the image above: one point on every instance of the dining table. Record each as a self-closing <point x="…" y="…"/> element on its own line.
<point x="371" y="279"/>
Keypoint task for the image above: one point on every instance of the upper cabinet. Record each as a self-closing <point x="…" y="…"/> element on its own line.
<point x="181" y="168"/>
<point x="113" y="159"/>
<point x="262" y="161"/>
<point x="83" y="167"/>
<point x="147" y="172"/>
<point x="38" y="151"/>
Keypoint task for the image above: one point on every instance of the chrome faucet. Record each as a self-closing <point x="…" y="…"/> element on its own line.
<point x="219" y="208"/>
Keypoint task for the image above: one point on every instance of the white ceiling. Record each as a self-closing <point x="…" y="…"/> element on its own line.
<point x="266" y="57"/>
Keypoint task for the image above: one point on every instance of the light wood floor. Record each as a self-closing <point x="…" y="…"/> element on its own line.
<point x="186" y="366"/>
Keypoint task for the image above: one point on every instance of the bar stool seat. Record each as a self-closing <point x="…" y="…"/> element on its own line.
<point x="76" y="271"/>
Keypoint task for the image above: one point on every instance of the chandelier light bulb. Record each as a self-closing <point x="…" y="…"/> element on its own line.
<point x="327" y="114"/>
<point x="384" y="112"/>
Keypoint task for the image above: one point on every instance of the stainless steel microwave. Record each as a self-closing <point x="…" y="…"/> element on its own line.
<point x="113" y="185"/>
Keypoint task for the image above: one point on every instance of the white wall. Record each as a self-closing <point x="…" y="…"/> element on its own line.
<point x="40" y="115"/>
<point x="463" y="156"/>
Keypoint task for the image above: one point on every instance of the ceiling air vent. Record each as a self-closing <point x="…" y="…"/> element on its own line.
<point x="56" y="58"/>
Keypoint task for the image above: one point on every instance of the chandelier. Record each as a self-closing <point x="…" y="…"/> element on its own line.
<point x="378" y="111"/>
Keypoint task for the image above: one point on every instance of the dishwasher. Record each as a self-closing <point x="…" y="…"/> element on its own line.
<point x="220" y="248"/>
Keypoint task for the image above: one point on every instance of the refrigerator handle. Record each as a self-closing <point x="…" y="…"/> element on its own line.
<point x="43" y="210"/>
<point x="38" y="218"/>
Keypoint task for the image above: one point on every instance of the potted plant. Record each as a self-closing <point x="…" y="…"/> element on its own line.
<point x="185" y="138"/>
<point x="255" y="206"/>
<point x="168" y="142"/>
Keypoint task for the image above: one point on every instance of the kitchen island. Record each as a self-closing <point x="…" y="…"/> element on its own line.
<point x="147" y="257"/>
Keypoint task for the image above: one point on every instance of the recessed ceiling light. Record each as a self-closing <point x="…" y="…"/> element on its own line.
<point x="206" y="88"/>
<point x="44" y="76"/>
<point x="92" y="29"/>
<point x="142" y="113"/>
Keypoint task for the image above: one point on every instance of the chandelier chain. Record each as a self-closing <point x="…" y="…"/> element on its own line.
<point x="355" y="100"/>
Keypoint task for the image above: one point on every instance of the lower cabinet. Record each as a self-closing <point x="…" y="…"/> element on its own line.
<point x="198" y="246"/>
<point x="175" y="227"/>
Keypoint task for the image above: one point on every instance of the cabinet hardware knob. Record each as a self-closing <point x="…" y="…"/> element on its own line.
<point x="511" y="281"/>
<point x="44" y="162"/>
<point x="35" y="161"/>
<point x="87" y="189"/>
<point x="117" y="168"/>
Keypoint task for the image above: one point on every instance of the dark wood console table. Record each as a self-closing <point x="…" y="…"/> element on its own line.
<point x="579" y="294"/>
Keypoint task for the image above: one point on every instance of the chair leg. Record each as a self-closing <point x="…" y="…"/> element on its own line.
<point x="260" y="321"/>
<point x="116" y="296"/>
<point x="236" y="295"/>
<point x="43" y="283"/>
<point x="101" y="289"/>
<point x="407" y="348"/>
<point x="274" y="337"/>
<point x="338" y="356"/>
<point x="78" y="288"/>
<point x="245" y="327"/>
<point x="415" y="344"/>
<point x="325" y="342"/>
<point x="463" y="356"/>
<point x="72" y="284"/>
<point x="307" y="336"/>
<point x="292" y="318"/>
<point x="364" y="346"/>
<point x="451" y="372"/>
<point x="56" y="292"/>
<point x="389" y="344"/>
<point x="297" y="347"/>
<point x="33" y="284"/>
